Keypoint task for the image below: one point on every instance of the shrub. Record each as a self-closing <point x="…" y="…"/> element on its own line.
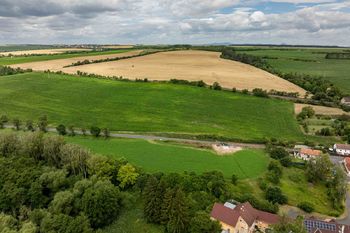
<point x="275" y="195"/>
<point x="260" y="93"/>
<point x="95" y="131"/>
<point x="61" y="129"/>
<point x="306" y="206"/>
<point x="216" y="86"/>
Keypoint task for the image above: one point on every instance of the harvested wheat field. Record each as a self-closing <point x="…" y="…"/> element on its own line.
<point x="58" y="64"/>
<point x="43" y="51"/>
<point x="320" y="110"/>
<point x="117" y="46"/>
<point x="193" y="66"/>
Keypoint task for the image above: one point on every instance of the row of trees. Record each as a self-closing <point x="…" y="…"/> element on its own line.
<point x="42" y="125"/>
<point x="6" y="70"/>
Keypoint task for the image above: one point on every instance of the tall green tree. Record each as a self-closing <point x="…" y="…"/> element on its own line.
<point x="153" y="196"/>
<point x="179" y="214"/>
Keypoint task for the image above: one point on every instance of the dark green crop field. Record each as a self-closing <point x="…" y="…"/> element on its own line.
<point x="307" y="61"/>
<point x="33" y="58"/>
<point x="145" y="107"/>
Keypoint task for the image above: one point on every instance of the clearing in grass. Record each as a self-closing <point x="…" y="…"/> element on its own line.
<point x="146" y="107"/>
<point x="173" y="158"/>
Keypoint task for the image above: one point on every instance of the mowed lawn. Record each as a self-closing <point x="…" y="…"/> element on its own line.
<point x="168" y="158"/>
<point x="313" y="62"/>
<point x="145" y="107"/>
<point x="24" y="59"/>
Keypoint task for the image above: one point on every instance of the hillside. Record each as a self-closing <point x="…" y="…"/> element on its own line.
<point x="146" y="107"/>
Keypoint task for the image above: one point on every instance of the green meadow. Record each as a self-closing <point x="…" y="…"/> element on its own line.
<point x="33" y="58"/>
<point x="146" y="107"/>
<point x="154" y="157"/>
<point x="307" y="61"/>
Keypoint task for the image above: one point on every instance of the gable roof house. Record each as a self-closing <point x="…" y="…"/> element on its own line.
<point x="242" y="218"/>
<point x="345" y="100"/>
<point x="313" y="225"/>
<point x="342" y="149"/>
<point x="307" y="153"/>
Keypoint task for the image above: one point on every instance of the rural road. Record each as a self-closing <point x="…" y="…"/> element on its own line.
<point x="161" y="138"/>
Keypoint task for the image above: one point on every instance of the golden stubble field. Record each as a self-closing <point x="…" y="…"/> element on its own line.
<point x="59" y="64"/>
<point x="320" y="110"/>
<point x="43" y="51"/>
<point x="189" y="65"/>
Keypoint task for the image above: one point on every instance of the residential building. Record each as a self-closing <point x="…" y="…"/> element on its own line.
<point x="242" y="218"/>
<point x="307" y="153"/>
<point x="342" y="149"/>
<point x="345" y="100"/>
<point x="313" y="225"/>
<point x="346" y="163"/>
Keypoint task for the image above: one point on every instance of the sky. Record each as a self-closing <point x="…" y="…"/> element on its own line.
<point x="308" y="22"/>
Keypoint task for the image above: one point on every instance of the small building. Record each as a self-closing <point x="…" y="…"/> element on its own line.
<point x="346" y="163"/>
<point x="242" y="218"/>
<point x="307" y="154"/>
<point x="345" y="100"/>
<point x="342" y="149"/>
<point x="313" y="225"/>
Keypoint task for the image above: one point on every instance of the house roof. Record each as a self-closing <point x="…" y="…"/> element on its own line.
<point x="310" y="152"/>
<point x="346" y="98"/>
<point x="347" y="163"/>
<point x="224" y="214"/>
<point x="317" y="226"/>
<point x="245" y="211"/>
<point x="342" y="146"/>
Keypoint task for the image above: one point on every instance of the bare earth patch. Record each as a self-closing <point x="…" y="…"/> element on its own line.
<point x="43" y="51"/>
<point x="223" y="149"/>
<point x="57" y="65"/>
<point x="193" y="66"/>
<point x="320" y="110"/>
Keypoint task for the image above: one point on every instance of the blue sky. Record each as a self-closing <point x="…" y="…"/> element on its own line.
<point x="322" y="22"/>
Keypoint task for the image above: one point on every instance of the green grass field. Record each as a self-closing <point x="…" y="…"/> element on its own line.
<point x="33" y="58"/>
<point x="146" y="107"/>
<point x="314" y="63"/>
<point x="168" y="158"/>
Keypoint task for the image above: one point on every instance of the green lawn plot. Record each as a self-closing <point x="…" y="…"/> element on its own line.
<point x="173" y="158"/>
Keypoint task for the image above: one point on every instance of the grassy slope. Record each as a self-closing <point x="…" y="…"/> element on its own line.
<point x="296" y="187"/>
<point x="337" y="70"/>
<point x="172" y="158"/>
<point x="145" y="107"/>
<point x="25" y="59"/>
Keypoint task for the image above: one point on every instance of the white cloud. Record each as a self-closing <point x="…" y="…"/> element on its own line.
<point x="167" y="21"/>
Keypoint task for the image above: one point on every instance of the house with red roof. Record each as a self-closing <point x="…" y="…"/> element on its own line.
<point x="346" y="163"/>
<point x="307" y="153"/>
<point x="242" y="218"/>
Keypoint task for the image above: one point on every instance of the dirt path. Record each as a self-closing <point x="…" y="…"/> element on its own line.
<point x="161" y="138"/>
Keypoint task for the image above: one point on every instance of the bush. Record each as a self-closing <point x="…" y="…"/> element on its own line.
<point x="216" y="86"/>
<point x="61" y="129"/>
<point x="260" y="93"/>
<point x="275" y="195"/>
<point x="306" y="206"/>
<point x="95" y="131"/>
